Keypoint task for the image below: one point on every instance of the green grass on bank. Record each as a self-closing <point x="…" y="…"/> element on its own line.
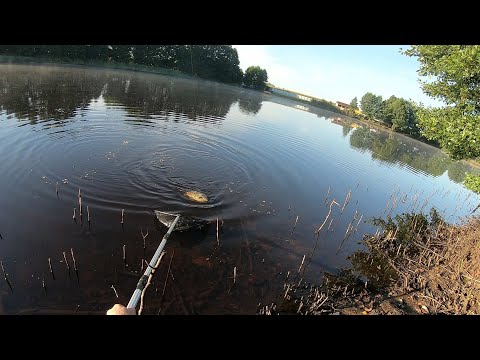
<point x="4" y="59"/>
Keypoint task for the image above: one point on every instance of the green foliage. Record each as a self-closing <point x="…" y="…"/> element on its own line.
<point x="255" y="77"/>
<point x="453" y="76"/>
<point x="215" y="62"/>
<point x="401" y="115"/>
<point x="354" y="103"/>
<point x="472" y="182"/>
<point x="326" y="105"/>
<point x="455" y="69"/>
<point x="372" y="106"/>
<point x="457" y="133"/>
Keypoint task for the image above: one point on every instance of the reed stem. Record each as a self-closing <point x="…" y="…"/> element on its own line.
<point x="51" y="269"/>
<point x="74" y="262"/>
<point x="66" y="261"/>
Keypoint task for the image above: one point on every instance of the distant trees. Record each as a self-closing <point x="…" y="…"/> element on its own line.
<point x="255" y="77"/>
<point x="215" y="62"/>
<point x="325" y="104"/>
<point x="397" y="113"/>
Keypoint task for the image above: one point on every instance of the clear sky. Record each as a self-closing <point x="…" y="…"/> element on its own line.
<point x="338" y="72"/>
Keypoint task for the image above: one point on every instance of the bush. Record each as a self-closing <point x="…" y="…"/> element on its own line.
<point x="472" y="182"/>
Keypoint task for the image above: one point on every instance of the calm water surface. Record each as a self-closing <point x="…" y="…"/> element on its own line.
<point x="137" y="141"/>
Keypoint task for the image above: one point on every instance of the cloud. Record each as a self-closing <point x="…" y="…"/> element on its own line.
<point x="259" y="55"/>
<point x="333" y="75"/>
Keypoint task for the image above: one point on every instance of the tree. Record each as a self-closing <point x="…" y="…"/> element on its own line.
<point x="215" y="62"/>
<point x="372" y="105"/>
<point x="455" y="70"/>
<point x="388" y="110"/>
<point x="400" y="114"/>
<point x="255" y="77"/>
<point x="354" y="103"/>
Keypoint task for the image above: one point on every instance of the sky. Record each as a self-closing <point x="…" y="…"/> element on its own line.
<point x="338" y="72"/>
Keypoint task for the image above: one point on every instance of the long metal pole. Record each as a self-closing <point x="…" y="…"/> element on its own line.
<point x="143" y="280"/>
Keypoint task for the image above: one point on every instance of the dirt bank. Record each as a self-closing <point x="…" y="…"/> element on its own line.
<point x="416" y="264"/>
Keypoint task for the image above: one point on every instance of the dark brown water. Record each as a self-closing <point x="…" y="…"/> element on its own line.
<point x="137" y="141"/>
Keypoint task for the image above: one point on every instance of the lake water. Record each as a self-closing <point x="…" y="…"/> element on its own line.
<point x="137" y="141"/>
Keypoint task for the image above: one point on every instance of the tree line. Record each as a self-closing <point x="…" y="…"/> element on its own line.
<point x="450" y="73"/>
<point x="213" y="62"/>
<point x="397" y="113"/>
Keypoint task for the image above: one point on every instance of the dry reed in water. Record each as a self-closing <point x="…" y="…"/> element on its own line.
<point x="149" y="281"/>
<point x="166" y="281"/>
<point x="326" y="218"/>
<point x="4" y="272"/>
<point x="80" y="202"/>
<point x="144" y="237"/>
<point x="326" y="197"/>
<point x="294" y="226"/>
<point x="74" y="262"/>
<point x="51" y="269"/>
<point x="347" y="200"/>
<point x="300" y="268"/>
<point x="66" y="261"/>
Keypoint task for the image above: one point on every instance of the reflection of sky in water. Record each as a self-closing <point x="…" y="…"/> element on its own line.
<point x="318" y="156"/>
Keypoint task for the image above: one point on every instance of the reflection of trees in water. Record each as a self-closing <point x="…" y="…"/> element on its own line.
<point x="40" y="94"/>
<point x="456" y="171"/>
<point x="391" y="149"/>
<point x="145" y="98"/>
<point x="372" y="265"/>
<point x="346" y="130"/>
<point x="250" y="103"/>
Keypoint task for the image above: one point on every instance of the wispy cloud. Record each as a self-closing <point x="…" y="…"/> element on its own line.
<point x="333" y="77"/>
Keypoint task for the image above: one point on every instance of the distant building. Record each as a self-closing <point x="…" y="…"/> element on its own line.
<point x="342" y="105"/>
<point x="289" y="93"/>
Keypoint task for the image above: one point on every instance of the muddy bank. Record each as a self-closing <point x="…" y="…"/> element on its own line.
<point x="414" y="264"/>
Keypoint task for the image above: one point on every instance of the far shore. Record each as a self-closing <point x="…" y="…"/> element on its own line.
<point x="4" y="59"/>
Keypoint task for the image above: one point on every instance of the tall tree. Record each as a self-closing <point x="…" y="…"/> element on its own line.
<point x="255" y="77"/>
<point x="453" y="76"/>
<point x="400" y="114"/>
<point x="354" y="103"/>
<point x="372" y="105"/>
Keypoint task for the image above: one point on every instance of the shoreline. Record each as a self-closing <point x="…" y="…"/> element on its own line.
<point x="23" y="60"/>
<point x="403" y="271"/>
